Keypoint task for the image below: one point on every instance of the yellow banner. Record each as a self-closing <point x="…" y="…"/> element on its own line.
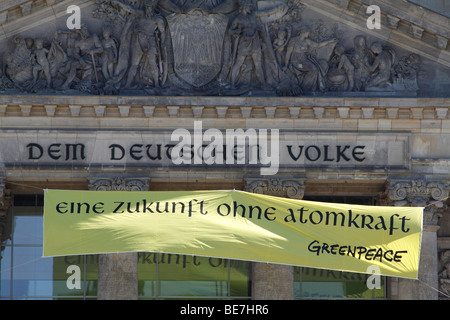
<point x="235" y="225"/>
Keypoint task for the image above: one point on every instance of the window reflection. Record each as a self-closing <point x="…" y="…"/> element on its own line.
<point x="164" y="275"/>
<point x="310" y="283"/>
<point x="25" y="274"/>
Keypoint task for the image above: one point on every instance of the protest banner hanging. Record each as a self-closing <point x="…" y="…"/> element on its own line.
<point x="235" y="225"/>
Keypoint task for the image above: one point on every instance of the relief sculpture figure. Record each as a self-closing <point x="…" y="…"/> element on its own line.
<point x="148" y="44"/>
<point x="361" y="58"/>
<point x="381" y="68"/>
<point x="81" y="53"/>
<point x="109" y="54"/>
<point x="205" y="47"/>
<point x="247" y="43"/>
<point x="42" y="64"/>
<point x="300" y="60"/>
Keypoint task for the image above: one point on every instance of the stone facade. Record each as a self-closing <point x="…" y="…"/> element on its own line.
<point x="102" y="118"/>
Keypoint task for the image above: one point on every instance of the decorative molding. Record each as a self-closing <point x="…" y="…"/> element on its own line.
<point x="118" y="184"/>
<point x="277" y="187"/>
<point x="419" y="193"/>
<point x="310" y="109"/>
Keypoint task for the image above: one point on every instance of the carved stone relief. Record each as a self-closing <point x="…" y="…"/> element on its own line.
<point x="118" y="184"/>
<point x="419" y="193"/>
<point x="277" y="187"/>
<point x="209" y="47"/>
<point x="444" y="274"/>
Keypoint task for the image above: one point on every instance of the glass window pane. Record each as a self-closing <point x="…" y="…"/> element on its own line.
<point x="91" y="280"/>
<point x="181" y="275"/>
<point x="173" y="275"/>
<point x="26" y="275"/>
<point x="240" y="278"/>
<point x="28" y="225"/>
<point x="329" y="284"/>
<point x="32" y="274"/>
<point x="5" y="271"/>
<point x="68" y="276"/>
<point x="147" y="285"/>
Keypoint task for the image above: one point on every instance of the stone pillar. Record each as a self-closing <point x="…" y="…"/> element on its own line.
<point x="117" y="272"/>
<point x="432" y="196"/>
<point x="5" y="201"/>
<point x="274" y="281"/>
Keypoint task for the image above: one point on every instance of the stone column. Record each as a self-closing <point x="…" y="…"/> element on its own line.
<point x="5" y="201"/>
<point x="274" y="281"/>
<point x="432" y="196"/>
<point x="117" y="272"/>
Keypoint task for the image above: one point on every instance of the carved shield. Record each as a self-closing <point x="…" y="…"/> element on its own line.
<point x="197" y="40"/>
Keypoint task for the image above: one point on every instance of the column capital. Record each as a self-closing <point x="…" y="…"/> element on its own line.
<point x="419" y="193"/>
<point x="118" y="184"/>
<point x="290" y="188"/>
<point x="5" y="197"/>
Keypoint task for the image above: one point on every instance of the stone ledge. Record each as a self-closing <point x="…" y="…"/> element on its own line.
<point x="97" y="107"/>
<point x="405" y="24"/>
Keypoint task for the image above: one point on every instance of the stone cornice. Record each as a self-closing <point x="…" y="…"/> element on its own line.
<point x="95" y="107"/>
<point x="19" y="15"/>
<point x="404" y="24"/>
<point x="414" y="14"/>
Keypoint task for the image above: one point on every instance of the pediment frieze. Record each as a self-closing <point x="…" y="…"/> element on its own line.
<point x="225" y="48"/>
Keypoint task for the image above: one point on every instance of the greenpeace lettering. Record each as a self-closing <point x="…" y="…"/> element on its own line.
<point x="357" y="252"/>
<point x="234" y="225"/>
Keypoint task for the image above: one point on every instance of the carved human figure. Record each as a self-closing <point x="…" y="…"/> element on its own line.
<point x="109" y="54"/>
<point x="148" y="46"/>
<point x="280" y="42"/>
<point x="82" y="56"/>
<point x="18" y="63"/>
<point x="41" y="57"/>
<point x="247" y="43"/>
<point x="381" y="68"/>
<point x="361" y="59"/>
<point x="346" y="66"/>
<point x="301" y="62"/>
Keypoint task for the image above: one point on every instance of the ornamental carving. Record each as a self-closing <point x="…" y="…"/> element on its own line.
<point x="209" y="47"/>
<point x="276" y="187"/>
<point x="118" y="184"/>
<point x="444" y="274"/>
<point x="419" y="193"/>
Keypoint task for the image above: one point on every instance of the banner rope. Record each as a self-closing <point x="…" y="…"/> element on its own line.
<point x="439" y="291"/>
